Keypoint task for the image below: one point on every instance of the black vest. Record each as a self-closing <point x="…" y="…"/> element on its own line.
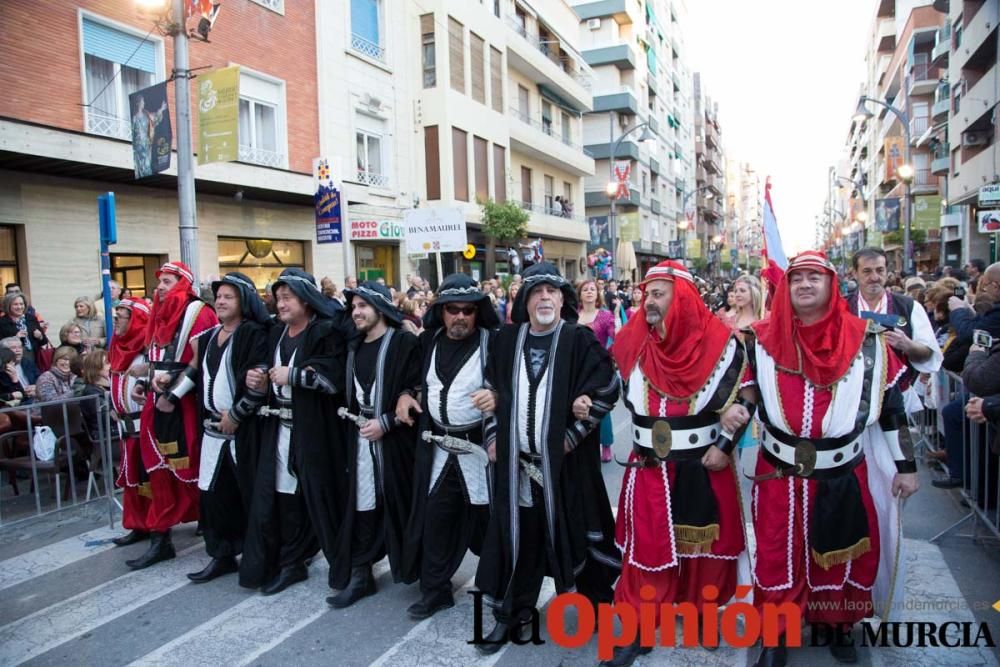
<point x="896" y="304"/>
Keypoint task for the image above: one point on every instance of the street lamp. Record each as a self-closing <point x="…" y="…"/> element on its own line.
<point x="904" y="171"/>
<point x="612" y="188"/>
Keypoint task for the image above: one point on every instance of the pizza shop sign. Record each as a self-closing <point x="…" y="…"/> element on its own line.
<point x="376" y="230"/>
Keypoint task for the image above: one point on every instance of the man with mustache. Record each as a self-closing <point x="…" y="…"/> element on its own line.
<point x="451" y="500"/>
<point x="551" y="515"/>
<point x="834" y="422"/>
<point x="300" y="489"/>
<point x="382" y="364"/>
<point x="679" y="522"/>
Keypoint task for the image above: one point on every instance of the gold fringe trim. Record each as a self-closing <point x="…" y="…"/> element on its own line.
<point x="145" y="490"/>
<point x="831" y="558"/>
<point x="180" y="463"/>
<point x="695" y="539"/>
<point x="167" y="448"/>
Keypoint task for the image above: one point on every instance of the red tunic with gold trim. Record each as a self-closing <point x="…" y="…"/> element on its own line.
<point x="818" y="537"/>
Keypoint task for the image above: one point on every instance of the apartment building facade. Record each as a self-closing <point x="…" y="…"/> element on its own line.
<point x="641" y="76"/>
<point x="744" y="219"/>
<point x="710" y="178"/>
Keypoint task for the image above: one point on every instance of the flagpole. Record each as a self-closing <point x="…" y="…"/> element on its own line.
<point x="186" y="209"/>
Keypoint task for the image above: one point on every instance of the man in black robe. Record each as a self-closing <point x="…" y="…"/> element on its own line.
<point x="451" y="491"/>
<point x="551" y="514"/>
<point x="301" y="489"/>
<point x="229" y="416"/>
<point x="382" y="363"/>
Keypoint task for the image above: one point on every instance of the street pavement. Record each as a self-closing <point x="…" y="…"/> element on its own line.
<point x="67" y="598"/>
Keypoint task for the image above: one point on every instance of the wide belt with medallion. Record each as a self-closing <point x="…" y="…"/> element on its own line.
<point x="672" y="438"/>
<point x="815" y="458"/>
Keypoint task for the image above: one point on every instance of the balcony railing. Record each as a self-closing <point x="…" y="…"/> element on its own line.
<point x="918" y="126"/>
<point x="372" y="178"/>
<point x="559" y="58"/>
<point x="924" y="178"/>
<point x="109" y="126"/>
<point x="261" y="156"/>
<point x="546" y="210"/>
<point x="545" y="128"/>
<point x="367" y="48"/>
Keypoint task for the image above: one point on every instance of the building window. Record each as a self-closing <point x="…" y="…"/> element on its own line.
<point x="116" y="64"/>
<point x="456" y="54"/>
<point x="8" y="255"/>
<point x="481" y="162"/>
<point x="136" y="273"/>
<point x="427" y="52"/>
<point x="366" y="28"/>
<point x="369" y="159"/>
<point x="460" y="162"/>
<point x="273" y="5"/>
<point x="496" y="79"/>
<point x="549" y="192"/>
<point x="546" y="117"/>
<point x="262" y="260"/>
<point x="477" y="59"/>
<point x="567" y="129"/>
<point x="432" y="163"/>
<point x="499" y="173"/>
<point x="524" y="104"/>
<point x="526" y="194"/>
<point x="262" y="121"/>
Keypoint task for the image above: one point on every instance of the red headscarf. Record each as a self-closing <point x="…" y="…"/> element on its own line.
<point x="123" y="348"/>
<point x="167" y="314"/>
<point x="822" y="351"/>
<point x="680" y="364"/>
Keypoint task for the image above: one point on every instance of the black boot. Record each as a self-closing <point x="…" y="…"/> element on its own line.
<point x="362" y="584"/>
<point x="431" y="603"/>
<point x="494" y="641"/>
<point x="844" y="653"/>
<point x="215" y="568"/>
<point x="290" y="574"/>
<point x="130" y="538"/>
<point x="160" y="548"/>
<point x="626" y="655"/>
<point x="773" y="656"/>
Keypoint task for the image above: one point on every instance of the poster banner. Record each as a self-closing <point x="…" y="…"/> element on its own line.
<point x="219" y="115"/>
<point x="887" y="214"/>
<point x="622" y="172"/>
<point x="438" y="229"/>
<point x="329" y="209"/>
<point x="894" y="153"/>
<point x="693" y="248"/>
<point x="600" y="233"/>
<point x="926" y="212"/>
<point x="675" y="249"/>
<point x="989" y="221"/>
<point x="629" y="227"/>
<point x="151" y="135"/>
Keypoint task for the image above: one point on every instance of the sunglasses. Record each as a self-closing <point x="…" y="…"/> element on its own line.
<point x="464" y="310"/>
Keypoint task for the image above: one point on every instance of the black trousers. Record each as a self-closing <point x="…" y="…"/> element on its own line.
<point x="298" y="541"/>
<point x="451" y="526"/>
<point x="368" y="537"/>
<point x="532" y="562"/>
<point x="223" y="517"/>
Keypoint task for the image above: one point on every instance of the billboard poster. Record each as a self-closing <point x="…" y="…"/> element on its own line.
<point x="151" y="134"/>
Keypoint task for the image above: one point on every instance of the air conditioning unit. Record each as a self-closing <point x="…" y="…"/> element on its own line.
<point x="594" y="24"/>
<point x="975" y="138"/>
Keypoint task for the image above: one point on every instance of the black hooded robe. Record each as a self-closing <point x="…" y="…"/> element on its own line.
<point x="573" y="509"/>
<point x="225" y="505"/>
<point x="397" y="370"/>
<point x="316" y="458"/>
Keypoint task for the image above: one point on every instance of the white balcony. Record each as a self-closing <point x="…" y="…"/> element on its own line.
<point x="108" y="126"/>
<point x="374" y="179"/>
<point x="262" y="157"/>
<point x="367" y="48"/>
<point x="540" y="141"/>
<point x="547" y="61"/>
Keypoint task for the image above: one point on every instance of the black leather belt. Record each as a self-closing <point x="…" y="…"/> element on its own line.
<point x="470" y="433"/>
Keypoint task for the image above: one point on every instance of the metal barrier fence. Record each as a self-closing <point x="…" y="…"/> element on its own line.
<point x="980" y="480"/>
<point x="75" y="454"/>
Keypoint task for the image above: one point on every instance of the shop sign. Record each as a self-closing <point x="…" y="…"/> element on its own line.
<point x="376" y="230"/>
<point x="326" y="197"/>
<point x="989" y="221"/>
<point x="989" y="195"/>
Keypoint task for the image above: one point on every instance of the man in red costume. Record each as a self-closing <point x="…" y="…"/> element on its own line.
<point x="128" y="364"/>
<point x="679" y="523"/>
<point x="169" y="431"/>
<point x="834" y="422"/>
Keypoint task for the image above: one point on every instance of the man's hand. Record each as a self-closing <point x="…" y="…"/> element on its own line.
<point x="954" y="303"/>
<point x="372" y="430"/>
<point x="974" y="410"/>
<point x="734" y="417"/>
<point x="279" y="375"/>
<point x="581" y="406"/>
<point x="37" y="334"/>
<point x="403" y="407"/>
<point x="715" y="458"/>
<point x="491" y="451"/>
<point x="227" y="425"/>
<point x="138" y="393"/>
<point x="161" y="383"/>
<point x="164" y="405"/>
<point x="257" y="379"/>
<point x="484" y="400"/>
<point x="905" y="484"/>
<point x="899" y="341"/>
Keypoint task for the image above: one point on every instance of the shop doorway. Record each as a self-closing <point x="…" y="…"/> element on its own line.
<point x="374" y="261"/>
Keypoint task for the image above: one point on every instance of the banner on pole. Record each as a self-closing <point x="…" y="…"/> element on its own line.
<point x="887" y="214"/>
<point x="219" y="115"/>
<point x="329" y="210"/>
<point x="894" y="153"/>
<point x="151" y="134"/>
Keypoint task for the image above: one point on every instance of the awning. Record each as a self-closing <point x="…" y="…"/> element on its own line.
<point x="558" y="100"/>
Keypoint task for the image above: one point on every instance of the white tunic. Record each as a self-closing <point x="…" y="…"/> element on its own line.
<point x="218" y="397"/>
<point x="285" y="482"/>
<point x="365" y="496"/>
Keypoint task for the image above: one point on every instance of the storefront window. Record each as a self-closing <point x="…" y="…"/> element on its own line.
<point x="262" y="260"/>
<point x="136" y="272"/>
<point x="8" y="256"/>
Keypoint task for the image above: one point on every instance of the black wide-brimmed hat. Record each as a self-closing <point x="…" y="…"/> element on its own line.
<point x="461" y="288"/>
<point x="379" y="297"/>
<point x="303" y="285"/>
<point x="250" y="302"/>
<point x="538" y="274"/>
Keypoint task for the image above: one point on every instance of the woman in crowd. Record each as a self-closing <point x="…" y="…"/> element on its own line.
<point x="70" y="335"/>
<point x="11" y="390"/>
<point x="17" y="321"/>
<point x="511" y="295"/>
<point x="57" y="382"/>
<point x="413" y="314"/>
<point x="502" y="303"/>
<point x="744" y="303"/>
<point x="91" y="326"/>
<point x="96" y="374"/>
<point x="593" y="314"/>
